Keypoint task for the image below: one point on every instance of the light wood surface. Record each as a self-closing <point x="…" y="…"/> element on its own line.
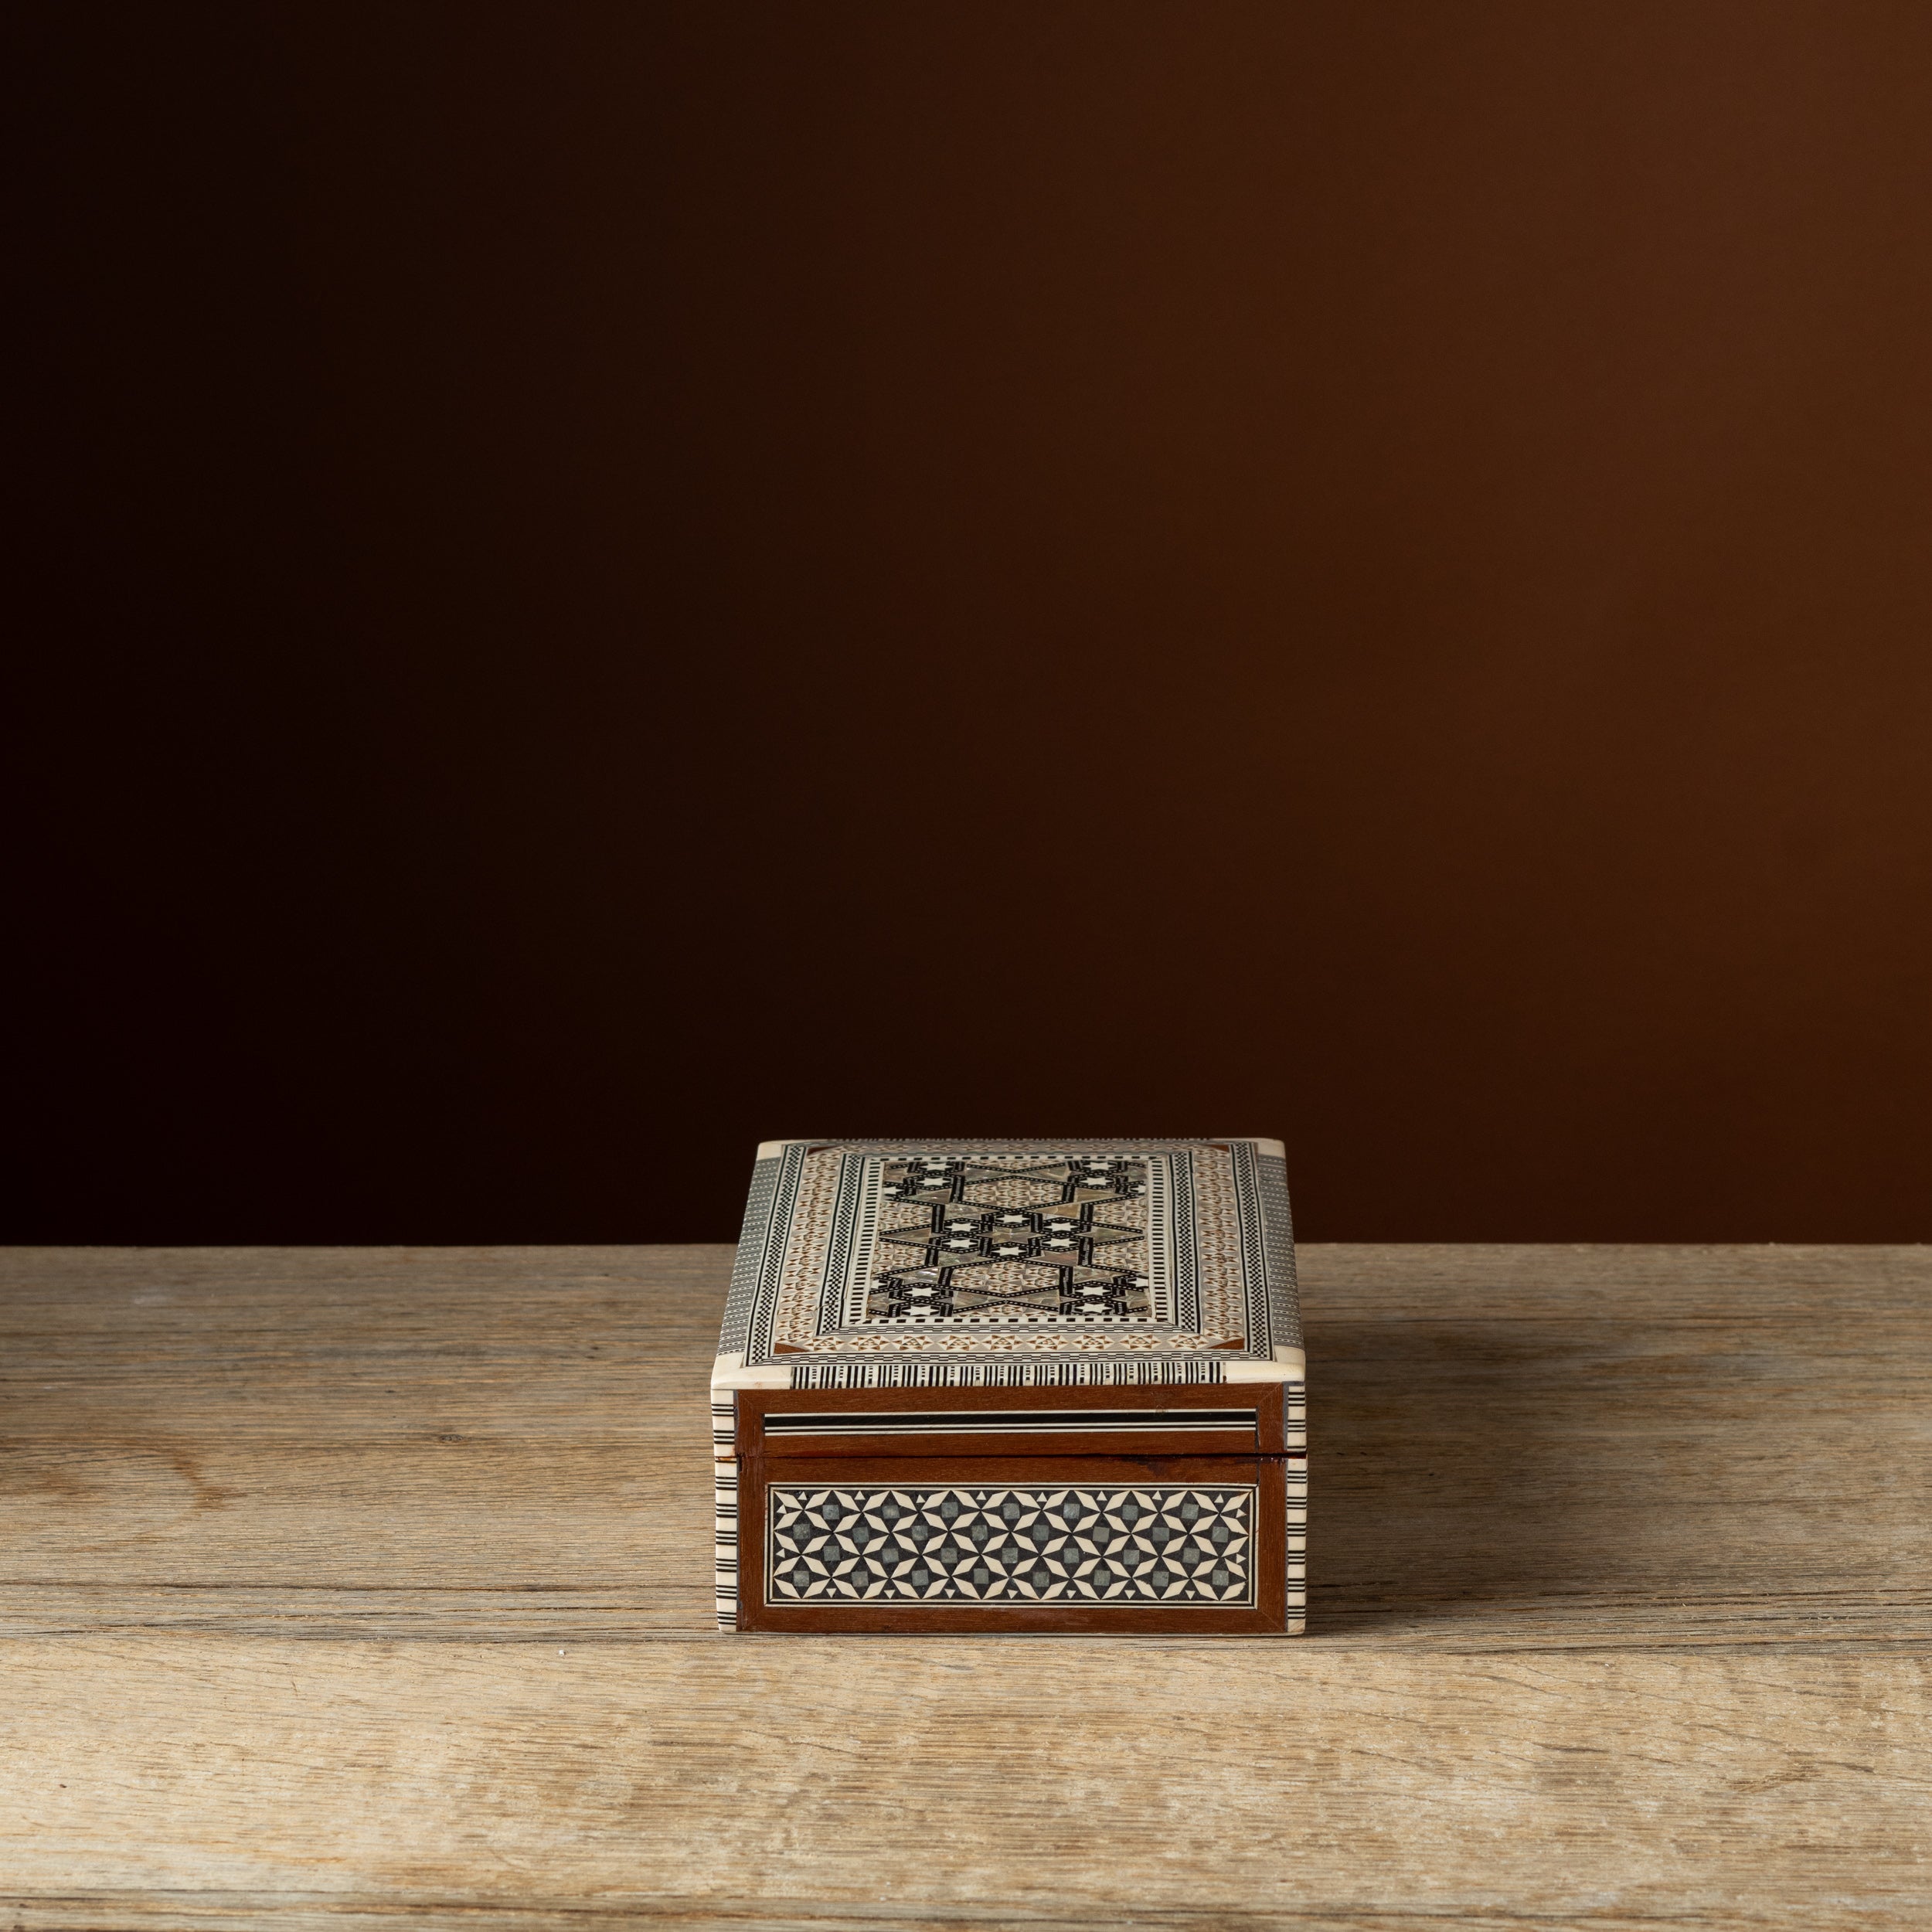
<point x="361" y="1587"/>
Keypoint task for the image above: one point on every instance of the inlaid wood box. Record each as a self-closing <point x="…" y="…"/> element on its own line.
<point x="1020" y="1386"/>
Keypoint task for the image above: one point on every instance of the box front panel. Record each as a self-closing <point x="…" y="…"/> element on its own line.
<point x="1031" y="1543"/>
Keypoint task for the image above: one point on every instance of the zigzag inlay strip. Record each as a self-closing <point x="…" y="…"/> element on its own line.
<point x="784" y="1194"/>
<point x="1278" y="1216"/>
<point x="747" y="1264"/>
<point x="1254" y="1263"/>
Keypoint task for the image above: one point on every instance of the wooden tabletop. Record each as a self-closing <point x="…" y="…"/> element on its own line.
<point x="351" y="1588"/>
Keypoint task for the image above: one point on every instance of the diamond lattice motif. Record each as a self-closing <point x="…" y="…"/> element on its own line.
<point x="1094" y="1543"/>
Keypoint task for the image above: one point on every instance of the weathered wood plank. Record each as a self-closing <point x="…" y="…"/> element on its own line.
<point x="349" y="1346"/>
<point x="1620" y="1618"/>
<point x="1256" y="1777"/>
<point x="237" y="1911"/>
<point x="501" y="1442"/>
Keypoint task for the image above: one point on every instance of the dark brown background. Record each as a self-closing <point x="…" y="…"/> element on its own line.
<point x="600" y="582"/>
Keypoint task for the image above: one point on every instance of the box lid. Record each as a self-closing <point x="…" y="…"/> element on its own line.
<point x="990" y="1263"/>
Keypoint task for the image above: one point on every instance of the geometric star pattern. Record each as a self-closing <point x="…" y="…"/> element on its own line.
<point x="1096" y="1543"/>
<point x="964" y="1240"/>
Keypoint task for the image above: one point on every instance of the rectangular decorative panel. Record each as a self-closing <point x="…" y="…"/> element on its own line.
<point x="963" y="1241"/>
<point x="1010" y="1544"/>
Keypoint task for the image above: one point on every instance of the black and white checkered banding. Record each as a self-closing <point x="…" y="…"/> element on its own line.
<point x="1038" y="1372"/>
<point x="725" y="1481"/>
<point x="1298" y="1541"/>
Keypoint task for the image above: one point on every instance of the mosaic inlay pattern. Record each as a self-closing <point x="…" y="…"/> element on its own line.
<point x="1099" y="1542"/>
<point x="871" y="1262"/>
<point x="981" y="1240"/>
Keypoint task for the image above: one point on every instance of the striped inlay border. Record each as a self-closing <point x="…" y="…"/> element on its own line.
<point x="1004" y="1422"/>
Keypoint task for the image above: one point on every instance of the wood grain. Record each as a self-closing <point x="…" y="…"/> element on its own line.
<point x="356" y="1586"/>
